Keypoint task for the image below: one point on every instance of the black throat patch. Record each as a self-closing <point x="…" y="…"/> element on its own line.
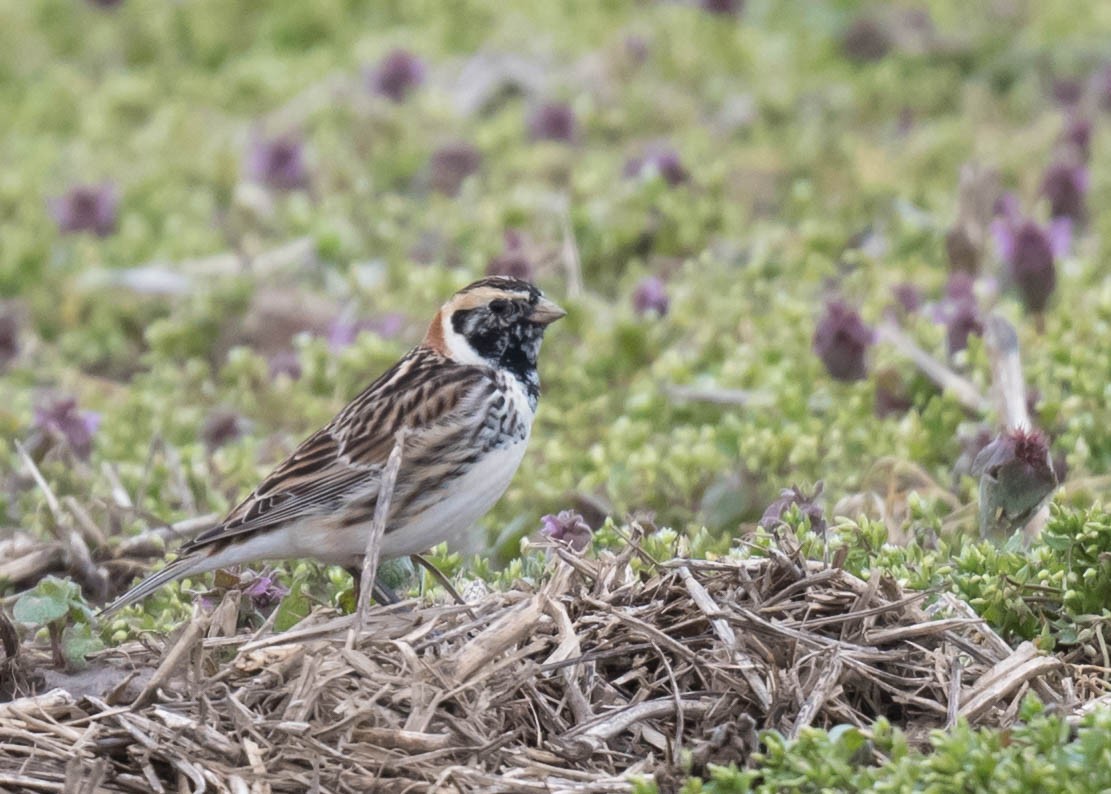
<point x="509" y="343"/>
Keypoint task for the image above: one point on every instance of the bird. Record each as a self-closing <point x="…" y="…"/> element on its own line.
<point x="465" y="397"/>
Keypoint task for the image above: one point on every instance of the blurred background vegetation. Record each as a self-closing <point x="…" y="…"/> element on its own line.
<point x="220" y="219"/>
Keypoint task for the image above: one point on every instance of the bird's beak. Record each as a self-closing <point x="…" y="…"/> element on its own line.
<point x="545" y="312"/>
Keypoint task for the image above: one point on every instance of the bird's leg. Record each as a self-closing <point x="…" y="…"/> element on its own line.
<point x="382" y="594"/>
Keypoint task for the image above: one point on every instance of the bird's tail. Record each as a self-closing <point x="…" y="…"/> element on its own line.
<point x="182" y="566"/>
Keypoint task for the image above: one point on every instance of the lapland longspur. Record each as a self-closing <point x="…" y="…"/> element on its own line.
<point x="466" y="396"/>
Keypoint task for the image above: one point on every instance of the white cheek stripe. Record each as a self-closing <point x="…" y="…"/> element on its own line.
<point x="458" y="347"/>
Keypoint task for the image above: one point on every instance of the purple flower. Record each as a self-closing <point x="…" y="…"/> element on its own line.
<point x="513" y="260"/>
<point x="650" y="295"/>
<point x="962" y="321"/>
<point x="1029" y="252"/>
<point x="222" y="426"/>
<point x="343" y="332"/>
<point x="568" y="526"/>
<point x="553" y="121"/>
<point x="61" y="420"/>
<point x="87" y="208"/>
<point x="658" y="160"/>
<point x="841" y="340"/>
<point x="866" y="40"/>
<point x="265" y="591"/>
<point x="9" y="338"/>
<point x="105" y="3"/>
<point x="960" y="286"/>
<point x="1016" y="476"/>
<point x="397" y="75"/>
<point x="636" y="47"/>
<point x="724" y="7"/>
<point x="1007" y="208"/>
<point x="908" y="296"/>
<point x="451" y="164"/>
<point x="278" y="162"/>
<point x="1078" y="136"/>
<point x="285" y="362"/>
<point x="1066" y="187"/>
<point x="1067" y="91"/>
<point x="807" y="505"/>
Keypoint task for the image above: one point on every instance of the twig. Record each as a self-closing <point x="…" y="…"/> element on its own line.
<point x="954" y="692"/>
<point x="707" y="394"/>
<point x="33" y="565"/>
<point x="443" y="581"/>
<point x="93" y="536"/>
<point x="572" y="261"/>
<point x="1008" y="385"/>
<point x="960" y="387"/>
<point x="77" y="556"/>
<point x="829" y="678"/>
<point x="152" y="541"/>
<point x="377" y="530"/>
<point x="185" y="643"/>
<point x="725" y="633"/>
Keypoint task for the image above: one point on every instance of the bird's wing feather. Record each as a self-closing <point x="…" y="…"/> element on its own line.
<point x="344" y="460"/>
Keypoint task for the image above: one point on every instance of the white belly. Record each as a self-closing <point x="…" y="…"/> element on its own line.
<point x="469" y="499"/>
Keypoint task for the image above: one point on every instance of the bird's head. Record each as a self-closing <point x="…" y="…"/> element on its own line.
<point x="496" y="322"/>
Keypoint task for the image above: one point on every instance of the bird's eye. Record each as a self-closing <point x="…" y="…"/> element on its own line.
<point x="499" y="306"/>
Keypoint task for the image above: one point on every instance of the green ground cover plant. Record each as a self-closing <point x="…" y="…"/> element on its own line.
<point x="220" y="220"/>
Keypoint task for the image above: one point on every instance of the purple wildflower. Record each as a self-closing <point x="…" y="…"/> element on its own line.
<point x="60" y="419"/>
<point x="1077" y="135"/>
<point x="1030" y="250"/>
<point x="1066" y="187"/>
<point x="960" y="286"/>
<point x="285" y="362"/>
<point x="568" y="526"/>
<point x="278" y="162"/>
<point x="87" y="208"/>
<point x="866" y="40"/>
<point x="513" y="260"/>
<point x="222" y="426"/>
<point x="658" y="160"/>
<point x="553" y="121"/>
<point x="343" y="332"/>
<point x="636" y="47"/>
<point x="841" y="340"/>
<point x="451" y="164"/>
<point x="105" y="3"/>
<point x="908" y="296"/>
<point x="723" y="7"/>
<point x="265" y="591"/>
<point x="962" y="320"/>
<point x="9" y="338"/>
<point x="1016" y="476"/>
<point x="807" y="505"/>
<point x="397" y="75"/>
<point x="1067" y="91"/>
<point x="650" y="295"/>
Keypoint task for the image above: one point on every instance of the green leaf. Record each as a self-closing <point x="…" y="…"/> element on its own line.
<point x="79" y="641"/>
<point x="47" y="601"/>
<point x="294" y="608"/>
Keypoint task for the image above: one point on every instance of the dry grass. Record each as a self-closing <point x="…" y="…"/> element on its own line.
<point x="607" y="669"/>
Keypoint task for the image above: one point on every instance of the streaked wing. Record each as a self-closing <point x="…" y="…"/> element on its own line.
<point x="343" y="461"/>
